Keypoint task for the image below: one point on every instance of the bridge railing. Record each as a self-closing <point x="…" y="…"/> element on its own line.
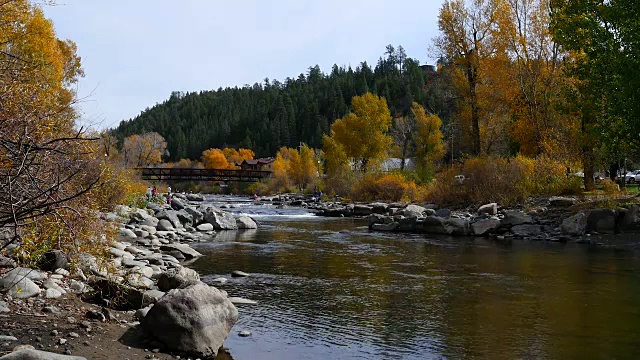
<point x="187" y="174"/>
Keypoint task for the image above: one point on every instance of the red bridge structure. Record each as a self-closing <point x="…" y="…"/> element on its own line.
<point x="225" y="175"/>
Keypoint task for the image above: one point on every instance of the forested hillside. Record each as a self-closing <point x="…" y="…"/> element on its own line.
<point x="268" y="115"/>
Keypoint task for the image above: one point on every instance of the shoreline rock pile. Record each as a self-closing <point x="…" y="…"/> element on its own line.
<point x="146" y="274"/>
<point x="554" y="221"/>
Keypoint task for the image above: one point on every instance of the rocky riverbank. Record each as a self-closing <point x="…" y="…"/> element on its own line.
<point x="555" y="219"/>
<point x="144" y="295"/>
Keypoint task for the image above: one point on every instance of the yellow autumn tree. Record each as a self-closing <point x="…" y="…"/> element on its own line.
<point x="293" y="169"/>
<point x="280" y="179"/>
<point x="363" y="133"/>
<point x="54" y="175"/>
<point x="428" y="140"/>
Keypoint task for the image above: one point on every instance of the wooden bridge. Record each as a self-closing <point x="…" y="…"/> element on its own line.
<point x="179" y="174"/>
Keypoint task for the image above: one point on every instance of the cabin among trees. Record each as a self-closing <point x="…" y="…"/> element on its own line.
<point x="265" y="164"/>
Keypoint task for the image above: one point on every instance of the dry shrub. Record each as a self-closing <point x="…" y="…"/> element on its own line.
<point x="392" y="187"/>
<point x="610" y="187"/>
<point x="259" y="188"/>
<point x="504" y="180"/>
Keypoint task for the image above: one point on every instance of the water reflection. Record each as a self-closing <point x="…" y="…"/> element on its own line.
<point x="235" y="235"/>
<point x="327" y="293"/>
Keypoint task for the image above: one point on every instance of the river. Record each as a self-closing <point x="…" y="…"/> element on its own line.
<point x="329" y="289"/>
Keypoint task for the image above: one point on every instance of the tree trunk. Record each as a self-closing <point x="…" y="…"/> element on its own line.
<point x="472" y="77"/>
<point x="405" y="145"/>
<point x="588" y="165"/>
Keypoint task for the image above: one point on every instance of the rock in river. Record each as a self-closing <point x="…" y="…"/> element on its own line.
<point x="195" y="320"/>
<point x="238" y="273"/>
<point x="484" y="227"/>
<point x="220" y="220"/>
<point x="245" y="222"/>
<point x="575" y="225"/>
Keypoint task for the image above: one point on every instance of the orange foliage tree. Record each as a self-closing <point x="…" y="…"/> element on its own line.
<point x="226" y="158"/>
<point x="214" y="159"/>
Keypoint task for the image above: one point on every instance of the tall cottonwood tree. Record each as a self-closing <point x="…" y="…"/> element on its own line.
<point x="532" y="80"/>
<point x="468" y="32"/>
<point x="604" y="37"/>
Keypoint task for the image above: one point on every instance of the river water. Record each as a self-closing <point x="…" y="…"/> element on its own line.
<point x="329" y="289"/>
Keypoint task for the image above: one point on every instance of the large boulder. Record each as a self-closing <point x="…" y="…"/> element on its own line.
<point x="177" y="203"/>
<point x="6" y="262"/>
<point x="185" y="218"/>
<point x="127" y="234"/>
<point x="379" y="208"/>
<point x="560" y="201"/>
<point x="407" y="224"/>
<point x="375" y="219"/>
<point x="443" y="213"/>
<point x="362" y="210"/>
<point x="53" y="260"/>
<point x="489" y="209"/>
<point x="170" y="215"/>
<point x="434" y="225"/>
<point x="514" y="217"/>
<point x="179" y="278"/>
<point x="19" y="282"/>
<point x="165" y="225"/>
<point x="575" y="225"/>
<point x="139" y="215"/>
<point x="185" y="249"/>
<point x="412" y="210"/>
<point x="195" y="214"/>
<point x="631" y="219"/>
<point x="485" y="227"/>
<point x="204" y="227"/>
<point x="220" y="220"/>
<point x="152" y="221"/>
<point x="32" y="354"/>
<point x="245" y="222"/>
<point x="602" y="221"/>
<point x="457" y="227"/>
<point x="195" y="197"/>
<point x="194" y="320"/>
<point x="526" y="230"/>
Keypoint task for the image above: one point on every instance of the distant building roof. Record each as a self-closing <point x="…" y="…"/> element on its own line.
<point x="263" y="161"/>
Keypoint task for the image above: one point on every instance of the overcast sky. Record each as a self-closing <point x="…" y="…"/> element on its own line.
<point x="135" y="53"/>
